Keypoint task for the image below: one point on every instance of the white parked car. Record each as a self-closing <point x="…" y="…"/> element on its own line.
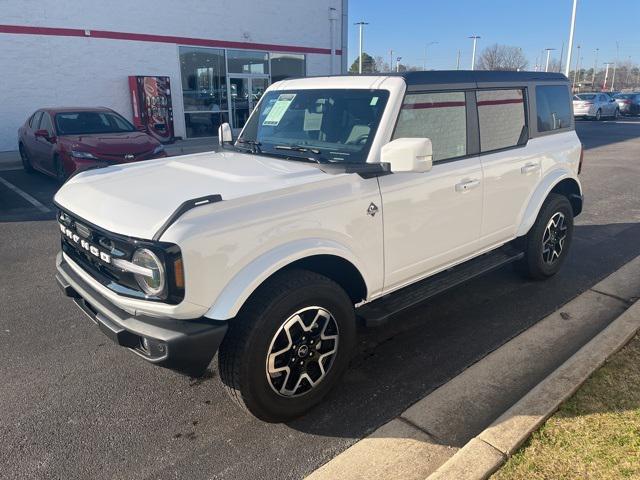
<point x="595" y="106"/>
<point x="343" y="198"/>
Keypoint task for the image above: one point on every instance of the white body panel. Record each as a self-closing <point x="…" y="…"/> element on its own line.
<point x="275" y="212"/>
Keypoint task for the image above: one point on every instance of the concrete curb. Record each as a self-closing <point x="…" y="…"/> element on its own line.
<point x="488" y="451"/>
<point x="468" y="427"/>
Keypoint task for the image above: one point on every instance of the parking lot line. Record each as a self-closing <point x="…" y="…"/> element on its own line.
<point x="25" y="195"/>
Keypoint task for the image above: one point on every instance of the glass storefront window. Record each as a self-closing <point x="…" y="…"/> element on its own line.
<point x="244" y="61"/>
<point x="204" y="79"/>
<point x="204" y="124"/>
<point x="284" y="65"/>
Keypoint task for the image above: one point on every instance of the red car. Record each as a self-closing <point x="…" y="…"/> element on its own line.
<point x="62" y="141"/>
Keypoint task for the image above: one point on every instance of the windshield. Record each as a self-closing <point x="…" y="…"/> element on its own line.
<point x="624" y="95"/>
<point x="83" y="123"/>
<point x="584" y="96"/>
<point x="336" y="125"/>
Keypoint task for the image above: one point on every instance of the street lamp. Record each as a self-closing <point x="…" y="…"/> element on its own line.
<point x="361" y="24"/>
<point x="606" y="75"/>
<point x="546" y="69"/>
<point x="575" y="73"/>
<point x="398" y="63"/>
<point x="595" y="67"/>
<point x="573" y="27"/>
<point x="615" y="66"/>
<point x="424" y="63"/>
<point x="473" y="55"/>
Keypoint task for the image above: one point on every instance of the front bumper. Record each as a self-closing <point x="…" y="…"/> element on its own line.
<point x="183" y="345"/>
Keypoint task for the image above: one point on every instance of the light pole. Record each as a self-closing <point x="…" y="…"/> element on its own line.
<point x="398" y="63"/>
<point x="391" y="60"/>
<point x="546" y="69"/>
<point x="458" y="61"/>
<point x="573" y="27"/>
<point x="606" y="75"/>
<point x="595" y="67"/>
<point x="473" y="55"/>
<point x="575" y="73"/>
<point x="361" y="24"/>
<point x="424" y="63"/>
<point x="615" y="66"/>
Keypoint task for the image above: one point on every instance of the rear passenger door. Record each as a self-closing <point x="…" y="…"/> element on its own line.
<point x="432" y="219"/>
<point x="511" y="167"/>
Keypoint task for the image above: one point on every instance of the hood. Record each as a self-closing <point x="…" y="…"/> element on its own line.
<point x="111" y="143"/>
<point x="136" y="199"/>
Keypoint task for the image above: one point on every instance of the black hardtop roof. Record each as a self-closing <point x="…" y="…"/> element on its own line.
<point x="473" y="76"/>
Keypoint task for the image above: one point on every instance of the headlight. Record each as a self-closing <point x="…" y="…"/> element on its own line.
<point x="78" y="154"/>
<point x="158" y="149"/>
<point x="153" y="282"/>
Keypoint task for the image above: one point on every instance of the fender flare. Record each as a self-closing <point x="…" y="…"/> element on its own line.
<point x="539" y="195"/>
<point x="251" y="276"/>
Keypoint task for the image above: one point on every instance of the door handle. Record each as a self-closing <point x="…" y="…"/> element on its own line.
<point x="467" y="185"/>
<point x="529" y="168"/>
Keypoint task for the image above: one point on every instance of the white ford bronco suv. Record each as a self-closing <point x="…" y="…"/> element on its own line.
<point x="343" y="199"/>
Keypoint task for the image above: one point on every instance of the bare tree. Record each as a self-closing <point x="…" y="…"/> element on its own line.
<point x="502" y="57"/>
<point x="380" y="64"/>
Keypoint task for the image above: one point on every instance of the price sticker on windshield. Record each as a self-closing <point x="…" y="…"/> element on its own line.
<point x="279" y="109"/>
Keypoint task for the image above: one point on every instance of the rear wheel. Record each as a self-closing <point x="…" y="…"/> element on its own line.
<point x="548" y="241"/>
<point x="26" y="162"/>
<point x="616" y="115"/>
<point x="288" y="346"/>
<point x="598" y="116"/>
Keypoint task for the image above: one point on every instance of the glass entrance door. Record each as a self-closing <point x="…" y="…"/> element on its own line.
<point x="244" y="93"/>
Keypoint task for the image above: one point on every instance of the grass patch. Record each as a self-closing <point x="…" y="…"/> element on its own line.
<point x="594" y="435"/>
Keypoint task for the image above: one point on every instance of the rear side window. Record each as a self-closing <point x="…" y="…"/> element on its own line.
<point x="35" y="120"/>
<point x="440" y="117"/>
<point x="502" y="119"/>
<point x="554" y="107"/>
<point x="45" y="124"/>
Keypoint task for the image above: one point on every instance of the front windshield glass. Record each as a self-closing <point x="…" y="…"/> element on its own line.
<point x="332" y="125"/>
<point x="84" y="123"/>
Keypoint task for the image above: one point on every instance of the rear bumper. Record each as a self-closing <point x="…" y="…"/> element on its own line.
<point x="183" y="345"/>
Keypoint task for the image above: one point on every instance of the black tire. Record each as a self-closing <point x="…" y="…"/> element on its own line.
<point x="598" y="116"/>
<point x="616" y="114"/>
<point x="26" y="162"/>
<point x="537" y="251"/>
<point x="61" y="175"/>
<point x="259" y="330"/>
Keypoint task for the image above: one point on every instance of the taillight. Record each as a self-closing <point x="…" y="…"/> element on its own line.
<point x="581" y="157"/>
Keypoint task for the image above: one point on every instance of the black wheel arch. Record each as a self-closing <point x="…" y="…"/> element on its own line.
<point x="570" y="189"/>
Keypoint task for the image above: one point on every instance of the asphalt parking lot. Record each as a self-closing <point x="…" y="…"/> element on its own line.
<point x="76" y="406"/>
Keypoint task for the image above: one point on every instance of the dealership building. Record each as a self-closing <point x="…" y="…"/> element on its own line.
<point x="213" y="59"/>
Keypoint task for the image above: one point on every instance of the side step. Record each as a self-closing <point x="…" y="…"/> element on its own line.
<point x="378" y="311"/>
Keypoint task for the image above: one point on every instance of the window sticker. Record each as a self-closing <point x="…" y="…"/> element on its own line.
<point x="373" y="101"/>
<point x="279" y="109"/>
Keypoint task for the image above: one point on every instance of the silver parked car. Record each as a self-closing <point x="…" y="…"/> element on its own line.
<point x="628" y="103"/>
<point x="595" y="105"/>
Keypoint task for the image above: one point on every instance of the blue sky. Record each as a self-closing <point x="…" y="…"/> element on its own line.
<point x="406" y="26"/>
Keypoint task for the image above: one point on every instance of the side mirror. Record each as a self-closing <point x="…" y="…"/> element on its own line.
<point x="42" y="134"/>
<point x="224" y="134"/>
<point x="408" y="155"/>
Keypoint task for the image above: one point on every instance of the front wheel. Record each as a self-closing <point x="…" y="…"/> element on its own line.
<point x="26" y="161"/>
<point x="548" y="241"/>
<point x="598" y="115"/>
<point x="288" y="346"/>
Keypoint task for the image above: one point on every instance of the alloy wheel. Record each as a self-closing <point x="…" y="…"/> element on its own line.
<point x="302" y="351"/>
<point x="554" y="237"/>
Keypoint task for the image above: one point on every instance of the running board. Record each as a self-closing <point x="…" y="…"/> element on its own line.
<point x="380" y="310"/>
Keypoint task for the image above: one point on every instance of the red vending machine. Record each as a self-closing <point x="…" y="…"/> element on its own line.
<point x="151" y="101"/>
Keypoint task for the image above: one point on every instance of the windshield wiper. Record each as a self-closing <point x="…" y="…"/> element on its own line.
<point x="255" y="145"/>
<point x="304" y="149"/>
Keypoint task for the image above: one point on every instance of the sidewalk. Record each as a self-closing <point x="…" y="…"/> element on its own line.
<point x="11" y="160"/>
<point x="595" y="434"/>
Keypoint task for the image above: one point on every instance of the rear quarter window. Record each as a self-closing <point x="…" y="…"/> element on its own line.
<point x="553" y="105"/>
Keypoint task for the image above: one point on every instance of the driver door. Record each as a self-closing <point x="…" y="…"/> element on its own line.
<point x="434" y="218"/>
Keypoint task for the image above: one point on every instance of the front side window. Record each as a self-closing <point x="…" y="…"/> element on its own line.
<point x="553" y="107"/>
<point x="35" y="120"/>
<point x="441" y="117"/>
<point x="334" y="125"/>
<point x="501" y="118"/>
<point x="45" y="123"/>
<point x="77" y="123"/>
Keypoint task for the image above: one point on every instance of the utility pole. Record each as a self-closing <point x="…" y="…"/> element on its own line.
<point x="573" y="27"/>
<point x="361" y="24"/>
<point x="615" y="66"/>
<point x="424" y="62"/>
<point x="626" y="80"/>
<point x="458" y="61"/>
<point x="398" y="64"/>
<point x="595" y="67"/>
<point x="473" y="55"/>
<point x="546" y="69"/>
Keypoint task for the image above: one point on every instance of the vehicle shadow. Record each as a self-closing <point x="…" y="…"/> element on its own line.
<point x="419" y="350"/>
